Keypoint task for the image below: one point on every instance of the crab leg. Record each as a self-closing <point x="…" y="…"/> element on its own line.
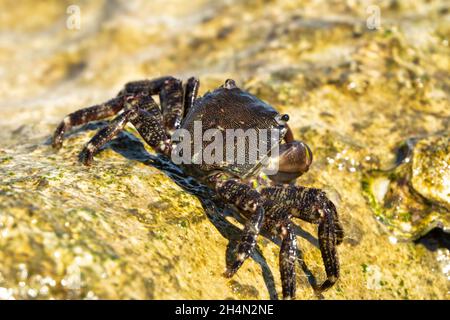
<point x="327" y="244"/>
<point x="313" y="206"/>
<point x="149" y="125"/>
<point x="150" y="87"/>
<point x="190" y="93"/>
<point x="249" y="200"/>
<point x="288" y="256"/>
<point x="103" y="136"/>
<point x="171" y="96"/>
<point x="146" y="117"/>
<point x="86" y="115"/>
<point x="170" y="92"/>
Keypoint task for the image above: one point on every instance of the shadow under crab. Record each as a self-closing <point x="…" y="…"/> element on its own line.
<point x="270" y="205"/>
<point x="216" y="211"/>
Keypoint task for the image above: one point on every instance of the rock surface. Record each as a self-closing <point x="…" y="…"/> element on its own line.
<point x="132" y="226"/>
<point x="413" y="198"/>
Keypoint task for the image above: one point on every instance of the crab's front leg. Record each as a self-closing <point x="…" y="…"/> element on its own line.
<point x="331" y="234"/>
<point x="250" y="201"/>
<point x="288" y="256"/>
<point x="278" y="218"/>
<point x="312" y="205"/>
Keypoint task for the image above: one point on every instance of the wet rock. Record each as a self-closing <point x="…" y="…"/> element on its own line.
<point x="431" y="170"/>
<point x="414" y="197"/>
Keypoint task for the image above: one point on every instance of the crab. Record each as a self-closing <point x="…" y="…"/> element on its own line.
<point x="265" y="201"/>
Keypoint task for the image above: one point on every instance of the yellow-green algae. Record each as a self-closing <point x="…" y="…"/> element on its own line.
<point x="124" y="229"/>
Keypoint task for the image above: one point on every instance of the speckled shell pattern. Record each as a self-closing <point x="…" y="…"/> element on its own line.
<point x="232" y="108"/>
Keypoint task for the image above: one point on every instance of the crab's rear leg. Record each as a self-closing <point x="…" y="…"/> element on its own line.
<point x="150" y="87"/>
<point x="250" y="201"/>
<point x="145" y="116"/>
<point x="86" y="115"/>
<point x="190" y="93"/>
<point x="170" y="92"/>
<point x="174" y="100"/>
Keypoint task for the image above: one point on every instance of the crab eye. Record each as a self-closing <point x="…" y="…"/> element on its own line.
<point x="282" y="119"/>
<point x="230" y="84"/>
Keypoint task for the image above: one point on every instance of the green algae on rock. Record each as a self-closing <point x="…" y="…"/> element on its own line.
<point x="414" y="197"/>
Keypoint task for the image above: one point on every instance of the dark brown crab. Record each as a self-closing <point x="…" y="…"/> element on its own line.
<point x="265" y="206"/>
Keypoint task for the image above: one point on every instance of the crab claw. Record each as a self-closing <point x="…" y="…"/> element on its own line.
<point x="293" y="160"/>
